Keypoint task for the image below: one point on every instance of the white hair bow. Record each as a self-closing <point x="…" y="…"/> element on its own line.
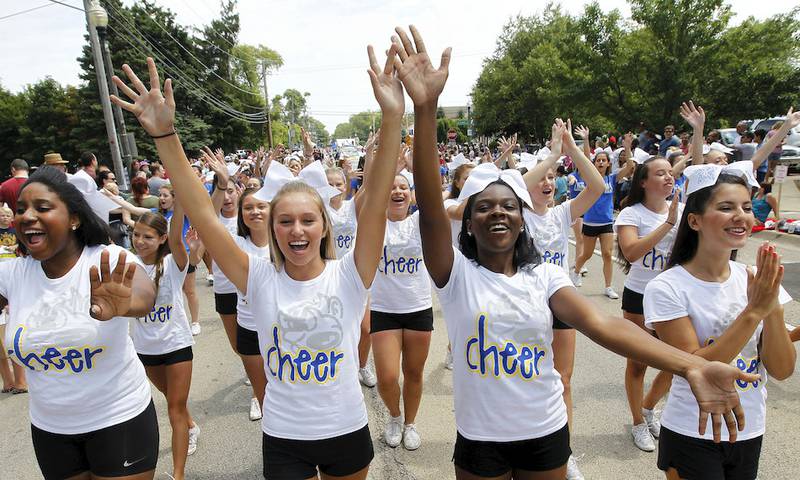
<point x="99" y="203"/>
<point x="640" y="156"/>
<point x="486" y="173"/>
<point x="313" y="175"/>
<point x="458" y="160"/>
<point x="716" y="146"/>
<point x="706" y="175"/>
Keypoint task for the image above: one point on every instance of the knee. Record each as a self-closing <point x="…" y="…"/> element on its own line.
<point x="606" y="255"/>
<point x="636" y="369"/>
<point x="387" y="379"/>
<point x="177" y="412"/>
<point x="413" y="373"/>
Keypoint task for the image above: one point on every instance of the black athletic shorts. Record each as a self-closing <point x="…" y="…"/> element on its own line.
<point x="697" y="458"/>
<point x="128" y="448"/>
<point x="225" y="303"/>
<point x="297" y="459"/>
<point x="493" y="459"/>
<point x="421" y="321"/>
<point x="246" y="341"/>
<point x="192" y="269"/>
<point x="597" y="230"/>
<point x="182" y="355"/>
<point x="559" y="325"/>
<point x="632" y="302"/>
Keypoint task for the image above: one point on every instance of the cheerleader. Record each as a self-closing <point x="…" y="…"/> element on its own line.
<point x="646" y="229"/>
<point x="720" y="310"/>
<point x="90" y="405"/>
<point x="497" y="300"/>
<point x="163" y="338"/>
<point x="307" y="304"/>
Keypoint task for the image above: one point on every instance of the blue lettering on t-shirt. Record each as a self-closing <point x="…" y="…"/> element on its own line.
<point x="304" y="366"/>
<point x="77" y="359"/>
<point x="505" y="360"/>
<point x="556" y="258"/>
<point x="160" y="313"/>
<point x="398" y="265"/>
<point x="344" y="241"/>
<point x="654" y="260"/>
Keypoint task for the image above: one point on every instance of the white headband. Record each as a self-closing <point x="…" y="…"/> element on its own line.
<point x="279" y="175"/>
<point x="486" y="173"/>
<point x="716" y="146"/>
<point x="640" y="156"/>
<point x="458" y="160"/>
<point x="706" y="175"/>
<point x="99" y="203"/>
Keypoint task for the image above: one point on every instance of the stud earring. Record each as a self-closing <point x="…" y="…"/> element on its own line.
<point x="74" y="227"/>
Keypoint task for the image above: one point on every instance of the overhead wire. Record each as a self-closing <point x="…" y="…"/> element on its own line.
<point x="26" y="11"/>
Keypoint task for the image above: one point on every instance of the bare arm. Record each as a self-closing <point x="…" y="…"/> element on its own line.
<point x="372" y="220"/>
<point x="126" y="206"/>
<point x="634" y="247"/>
<point x="175" y="237"/>
<point x="777" y="351"/>
<point x="424" y="84"/>
<point x="156" y="114"/>
<point x="696" y="118"/>
<point x="595" y="186"/>
<point x="680" y="166"/>
<point x="792" y="120"/>
<point x="538" y="172"/>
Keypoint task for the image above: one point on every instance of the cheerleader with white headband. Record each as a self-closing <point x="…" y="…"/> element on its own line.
<point x="719" y="310"/>
<point x="306" y="303"/>
<point x="498" y="303"/>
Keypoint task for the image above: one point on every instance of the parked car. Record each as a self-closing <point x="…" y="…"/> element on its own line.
<point x="793" y="138"/>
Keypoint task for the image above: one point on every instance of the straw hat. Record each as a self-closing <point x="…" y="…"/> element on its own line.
<point x="54" y="159"/>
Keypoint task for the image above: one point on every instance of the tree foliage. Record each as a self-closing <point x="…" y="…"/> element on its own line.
<point x="358" y="126"/>
<point x="204" y="62"/>
<point x="611" y="73"/>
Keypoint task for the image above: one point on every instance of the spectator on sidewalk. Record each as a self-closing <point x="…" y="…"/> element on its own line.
<point x="9" y="190"/>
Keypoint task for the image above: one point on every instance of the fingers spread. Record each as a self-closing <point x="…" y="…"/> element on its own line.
<point x="124" y="88"/>
<point x="94" y="277"/>
<point x="703" y="422"/>
<point x="373" y="62"/>
<point x="444" y="64"/>
<point x="417" y="38"/>
<point x="401" y="51"/>
<point x="137" y="84"/>
<point x="716" y="425"/>
<point x="105" y="268"/>
<point x="409" y="47"/>
<point x="119" y="270"/>
<point x="125" y="105"/>
<point x="169" y="93"/>
<point x="388" y="67"/>
<point x="738" y="412"/>
<point x="127" y="281"/>
<point x="155" y="83"/>
<point x="730" y="424"/>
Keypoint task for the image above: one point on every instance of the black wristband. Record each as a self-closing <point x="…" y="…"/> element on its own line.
<point x="173" y="132"/>
<point x="670" y="223"/>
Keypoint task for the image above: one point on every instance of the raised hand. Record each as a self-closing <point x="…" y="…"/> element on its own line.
<point x="308" y="145"/>
<point x="216" y="162"/>
<point x="792" y="119"/>
<point x="713" y="387"/>
<point x="694" y="116"/>
<point x="423" y="83"/>
<point x="154" y="111"/>
<point x="627" y="141"/>
<point x="385" y="85"/>
<point x="763" y="286"/>
<point x="582" y="132"/>
<point x="110" y="291"/>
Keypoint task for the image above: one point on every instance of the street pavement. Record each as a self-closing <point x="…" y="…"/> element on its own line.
<point x="230" y="445"/>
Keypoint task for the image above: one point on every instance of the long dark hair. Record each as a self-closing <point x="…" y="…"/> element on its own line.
<point x="687" y="239"/>
<point x="636" y="195"/>
<point x="525" y="253"/>
<point x="92" y="230"/>
<point x="241" y="229"/>
<point x="608" y="159"/>
<point x="157" y="222"/>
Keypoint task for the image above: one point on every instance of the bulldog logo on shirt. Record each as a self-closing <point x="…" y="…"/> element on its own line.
<point x="305" y="341"/>
<point x="546" y="237"/>
<point x="58" y="335"/>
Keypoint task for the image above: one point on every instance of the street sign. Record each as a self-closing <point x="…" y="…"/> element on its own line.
<point x="781" y="171"/>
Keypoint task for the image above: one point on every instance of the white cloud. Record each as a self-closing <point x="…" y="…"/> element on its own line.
<point x="323" y="43"/>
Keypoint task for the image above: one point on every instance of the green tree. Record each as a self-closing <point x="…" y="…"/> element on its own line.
<point x="358" y="125"/>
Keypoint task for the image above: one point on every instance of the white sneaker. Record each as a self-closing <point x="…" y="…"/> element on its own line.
<point x="573" y="473"/>
<point x="575" y="277"/>
<point x="411" y="440"/>
<point x="366" y="377"/>
<point x="448" y="360"/>
<point x="584" y="271"/>
<point x="210" y="279"/>
<point x="196" y="328"/>
<point x="194" y="433"/>
<point x="610" y="293"/>
<point x="653" y="424"/>
<point x="642" y="437"/>
<point x="393" y="434"/>
<point x="255" y="410"/>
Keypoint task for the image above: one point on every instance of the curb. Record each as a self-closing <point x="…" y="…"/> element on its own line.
<point x="781" y="239"/>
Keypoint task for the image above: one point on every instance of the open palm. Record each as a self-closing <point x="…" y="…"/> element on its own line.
<point x="111" y="291"/>
<point x="155" y="112"/>
<point x="423" y="83"/>
<point x="385" y="85"/>
<point x="694" y="116"/>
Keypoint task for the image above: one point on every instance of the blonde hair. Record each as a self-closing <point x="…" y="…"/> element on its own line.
<point x="326" y="249"/>
<point x="7" y="210"/>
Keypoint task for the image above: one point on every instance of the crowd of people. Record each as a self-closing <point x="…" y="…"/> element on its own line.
<point x="316" y="261"/>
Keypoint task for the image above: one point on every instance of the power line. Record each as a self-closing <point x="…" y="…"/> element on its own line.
<point x="68" y="5"/>
<point x="26" y="11"/>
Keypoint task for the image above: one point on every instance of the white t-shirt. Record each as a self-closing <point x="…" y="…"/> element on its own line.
<point x="712" y="307"/>
<point x="402" y="284"/>
<point x="501" y="330"/>
<point x="83" y="374"/>
<point x="309" y="332"/>
<point x="166" y="328"/>
<point x="653" y="262"/>
<point x="344" y="224"/>
<point x="550" y="233"/>
<point x="455" y="225"/>
<point x="221" y="282"/>
<point x="244" y="315"/>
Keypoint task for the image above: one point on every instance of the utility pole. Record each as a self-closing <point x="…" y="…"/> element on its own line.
<point x="266" y="103"/>
<point x="120" y="119"/>
<point x="95" y="14"/>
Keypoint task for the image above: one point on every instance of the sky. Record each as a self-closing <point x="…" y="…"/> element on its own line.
<point x="323" y="43"/>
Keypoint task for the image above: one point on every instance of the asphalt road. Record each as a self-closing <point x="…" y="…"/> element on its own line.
<point x="230" y="445"/>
